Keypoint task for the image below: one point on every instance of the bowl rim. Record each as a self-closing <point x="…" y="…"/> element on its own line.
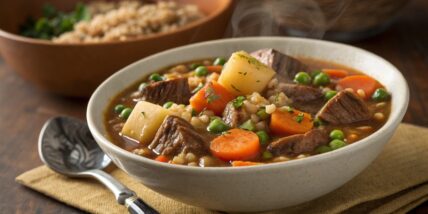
<point x="396" y="115"/>
<point x="190" y="26"/>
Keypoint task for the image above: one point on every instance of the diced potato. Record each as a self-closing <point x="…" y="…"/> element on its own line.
<point x="244" y="74"/>
<point x="144" y="121"/>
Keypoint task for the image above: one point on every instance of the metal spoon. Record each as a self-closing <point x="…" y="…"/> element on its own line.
<point x="67" y="147"/>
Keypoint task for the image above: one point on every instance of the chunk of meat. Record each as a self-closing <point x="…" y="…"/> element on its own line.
<point x="301" y="93"/>
<point x="285" y="66"/>
<point x="300" y="143"/>
<point x="175" y="90"/>
<point x="176" y="135"/>
<point x="231" y="115"/>
<point x="311" y="140"/>
<point x="305" y="98"/>
<point x="344" y="108"/>
<point x="311" y="107"/>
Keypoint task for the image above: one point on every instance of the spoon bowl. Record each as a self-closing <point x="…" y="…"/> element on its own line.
<point x="67" y="146"/>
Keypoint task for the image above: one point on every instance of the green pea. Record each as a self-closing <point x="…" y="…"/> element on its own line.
<point x="267" y="155"/>
<point x="321" y="79"/>
<point x="330" y="94"/>
<point x="323" y="149"/>
<point x="263" y="137"/>
<point x="156" y="77"/>
<point x="248" y="125"/>
<point x="119" y="108"/>
<point x="142" y="86"/>
<point x="125" y="113"/>
<point x="262" y="113"/>
<point x="302" y="78"/>
<point x="238" y="102"/>
<point x="214" y="117"/>
<point x="336" y="144"/>
<point x="337" y="134"/>
<point x="380" y="95"/>
<point x="201" y="71"/>
<point x="168" y="104"/>
<point x="219" y="61"/>
<point x="193" y="66"/>
<point x="217" y="126"/>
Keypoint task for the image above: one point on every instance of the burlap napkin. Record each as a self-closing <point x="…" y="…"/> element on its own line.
<point x="395" y="182"/>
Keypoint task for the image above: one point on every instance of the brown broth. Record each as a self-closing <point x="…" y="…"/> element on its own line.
<point x="112" y="121"/>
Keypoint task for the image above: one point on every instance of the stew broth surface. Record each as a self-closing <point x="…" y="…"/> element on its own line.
<point x="129" y="97"/>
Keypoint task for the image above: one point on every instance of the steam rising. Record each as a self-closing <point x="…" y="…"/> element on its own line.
<point x="305" y="18"/>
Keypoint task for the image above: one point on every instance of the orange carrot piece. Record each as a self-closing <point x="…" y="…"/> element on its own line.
<point x="366" y="83"/>
<point x="236" y="144"/>
<point x="214" y="68"/>
<point x="244" y="163"/>
<point x="289" y="122"/>
<point x="335" y="73"/>
<point x="213" y="97"/>
<point x="162" y="158"/>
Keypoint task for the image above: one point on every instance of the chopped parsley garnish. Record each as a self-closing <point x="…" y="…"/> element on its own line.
<point x="238" y="102"/>
<point x="235" y="88"/>
<point x="199" y="87"/>
<point x="257" y="80"/>
<point x="143" y="113"/>
<point x="299" y="117"/>
<point x="289" y="109"/>
<point x="210" y="94"/>
<point x="251" y="60"/>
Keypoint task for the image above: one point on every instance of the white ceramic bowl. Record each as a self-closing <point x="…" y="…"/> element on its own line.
<point x="255" y="188"/>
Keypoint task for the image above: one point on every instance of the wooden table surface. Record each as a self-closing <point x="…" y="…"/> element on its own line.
<point x="24" y="109"/>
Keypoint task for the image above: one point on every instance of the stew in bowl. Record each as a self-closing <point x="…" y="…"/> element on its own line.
<point x="246" y="109"/>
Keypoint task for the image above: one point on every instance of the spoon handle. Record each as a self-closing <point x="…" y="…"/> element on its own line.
<point x="137" y="206"/>
<point x="123" y="195"/>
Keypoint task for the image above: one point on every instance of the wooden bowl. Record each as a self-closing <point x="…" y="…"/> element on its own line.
<point x="77" y="69"/>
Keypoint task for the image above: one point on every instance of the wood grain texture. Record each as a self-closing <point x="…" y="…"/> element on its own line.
<point x="24" y="108"/>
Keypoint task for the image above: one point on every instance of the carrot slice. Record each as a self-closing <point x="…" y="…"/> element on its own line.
<point x="335" y="73"/>
<point x="236" y="144"/>
<point x="366" y="83"/>
<point x="244" y="163"/>
<point x="214" y="68"/>
<point x="213" y="97"/>
<point x="289" y="122"/>
<point x="162" y="158"/>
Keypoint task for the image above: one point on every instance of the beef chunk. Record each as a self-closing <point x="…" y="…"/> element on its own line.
<point x="299" y="143"/>
<point x="285" y="145"/>
<point x="344" y="108"/>
<point x="311" y="107"/>
<point x="305" y="98"/>
<point x="311" y="140"/>
<point x="176" y="90"/>
<point x="285" y="66"/>
<point x="301" y="93"/>
<point x="231" y="115"/>
<point x="176" y="135"/>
